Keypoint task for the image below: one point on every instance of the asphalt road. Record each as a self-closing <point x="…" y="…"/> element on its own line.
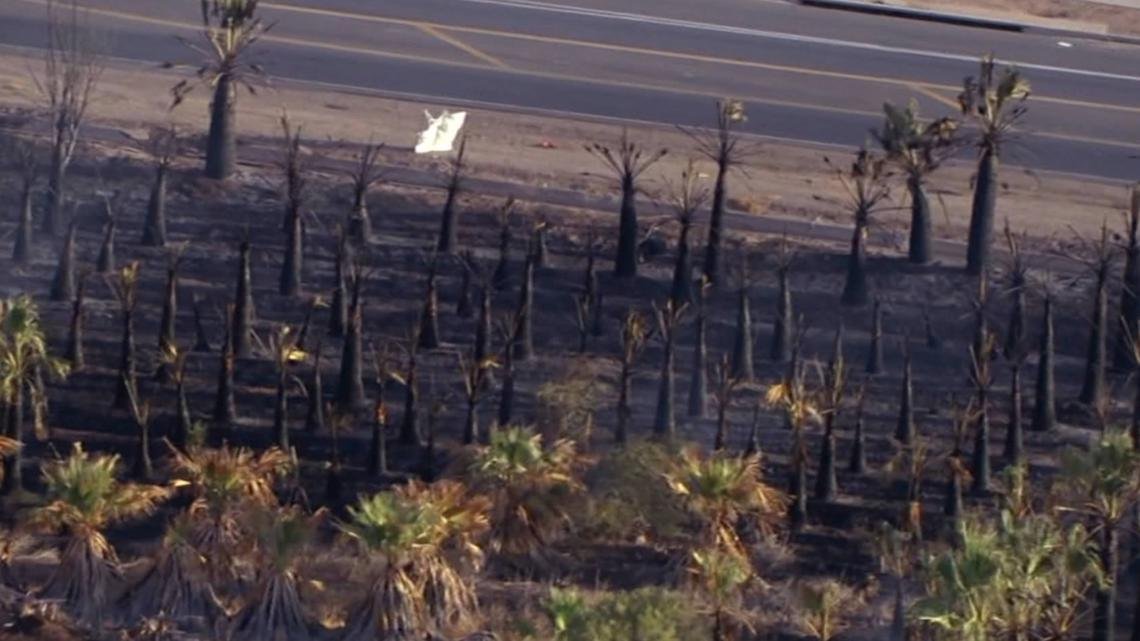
<point x="806" y="74"/>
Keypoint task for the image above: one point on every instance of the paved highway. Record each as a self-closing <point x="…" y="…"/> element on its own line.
<point x="807" y="74"/>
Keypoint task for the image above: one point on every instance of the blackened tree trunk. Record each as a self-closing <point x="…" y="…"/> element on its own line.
<point x="221" y="145"/>
<point x="920" y="250"/>
<point x="742" y="345"/>
<point x="125" y="386"/>
<point x="74" y="351"/>
<point x="720" y="438"/>
<point x="105" y="264"/>
<point x="242" y="331"/>
<point x="1044" y="402"/>
<point x="524" y="335"/>
<point x="1104" y="611"/>
<point x="858" y="462"/>
<point x="53" y="212"/>
<point x="875" y="349"/>
<point x="752" y="444"/>
<point x="166" y="337"/>
<point x="410" y="425"/>
<point x="471" y="421"/>
<point x="378" y="444"/>
<point x="826" y="485"/>
<point x="1093" y="387"/>
<point x="982" y="212"/>
<point x="449" y="223"/>
<point x="429" y="317"/>
<point x="698" y="379"/>
<point x="290" y="281"/>
<point x="483" y="326"/>
<point x="781" y="347"/>
<point x="1013" y="434"/>
<point x="855" y="288"/>
<point x="22" y="249"/>
<point x="184" y="423"/>
<point x="350" y="387"/>
<point x="599" y="324"/>
<point x="797" y="508"/>
<point x="716" y="222"/>
<point x="154" y="226"/>
<point x="63" y="284"/>
<point x="625" y="263"/>
<point x="664" y="421"/>
<point x="952" y="508"/>
<point x="13" y="481"/>
<point x="539" y="249"/>
<point x="315" y="415"/>
<point x="225" y="410"/>
<point x="201" y="341"/>
<point x="143" y="468"/>
<point x="904" y="428"/>
<point x="503" y="266"/>
<point x="682" y="290"/>
<point x="980" y="464"/>
<point x="338" y="310"/>
<point x="281" y="409"/>
<point x="1015" y="332"/>
<point x="463" y="308"/>
<point x="360" y="221"/>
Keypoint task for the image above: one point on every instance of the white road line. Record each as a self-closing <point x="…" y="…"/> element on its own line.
<point x="606" y="14"/>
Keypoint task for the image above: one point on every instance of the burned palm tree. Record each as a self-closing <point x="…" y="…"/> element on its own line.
<point x="742" y="343"/>
<point x="724" y="392"/>
<point x="783" y="328"/>
<point x="125" y="286"/>
<point x="377" y="464"/>
<point x="831" y="402"/>
<point x="538" y="243"/>
<point x="628" y="161"/>
<point x="315" y="413"/>
<point x="502" y="268"/>
<point x="166" y="325"/>
<point x="28" y="163"/>
<point x="724" y="148"/>
<point x="410" y="422"/>
<point x="285" y="353"/>
<point x="904" y="427"/>
<point x="350" y="388"/>
<point x="143" y="467"/>
<point x="858" y="462"/>
<point x="635" y="335"/>
<point x="867" y="183"/>
<point x="429" y="318"/>
<point x="242" y="331"/>
<point x="874" y="364"/>
<point x="698" y="379"/>
<point x="668" y="319"/>
<point x="957" y="473"/>
<point x="524" y="313"/>
<point x="463" y="307"/>
<point x="365" y="174"/>
<point x="201" y="340"/>
<point x="295" y="188"/>
<point x="162" y="145"/>
<point x="174" y="361"/>
<point x="1045" y="389"/>
<point x="72" y="68"/>
<point x="1128" y="319"/>
<point x="995" y="105"/>
<point x="63" y="283"/>
<point x="687" y="198"/>
<point x="510" y="331"/>
<point x="231" y="28"/>
<point x="792" y="398"/>
<point x="474" y="375"/>
<point x="917" y="148"/>
<point x="338" y="310"/>
<point x="448" y="242"/>
<point x="225" y="409"/>
<point x="583" y="320"/>
<point x="105" y="262"/>
<point x="74" y="353"/>
<point x="1015" y="348"/>
<point x="1100" y="261"/>
<point x="982" y="378"/>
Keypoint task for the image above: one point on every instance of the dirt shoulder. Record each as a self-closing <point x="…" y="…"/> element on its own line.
<point x="781" y="180"/>
<point x="1062" y="14"/>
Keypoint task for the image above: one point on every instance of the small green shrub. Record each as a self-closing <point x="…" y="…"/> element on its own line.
<point x="629" y="498"/>
<point x="645" y="614"/>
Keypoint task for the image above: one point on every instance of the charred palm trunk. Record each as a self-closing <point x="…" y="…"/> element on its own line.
<point x="471" y="421"/>
<point x="105" y="264"/>
<point x="378" y="445"/>
<point x="797" y="508"/>
<point x="1044" y="402"/>
<point x="290" y="282"/>
<point x="22" y="249"/>
<point x="143" y="469"/>
<point x="13" y="481"/>
<point x="125" y="386"/>
<point x="524" y="336"/>
<point x="184" y="423"/>
<point x="982" y="212"/>
<point x="225" y="410"/>
<point x="63" y="284"/>
<point x="921" y="250"/>
<point x="350" y="387"/>
<point x="625" y="263"/>
<point x="855" y="288"/>
<point x="742" y="346"/>
<point x="221" y="145"/>
<point x="720" y="439"/>
<point x="57" y="172"/>
<point x="281" y="408"/>
<point x="875" y="349"/>
<point x="483" y="326"/>
<point x="242" y="331"/>
<point x="429" y="317"/>
<point x="1013" y="434"/>
<point x="360" y="222"/>
<point x="952" y="507"/>
<point x="904" y="429"/>
<point x="1093" y="387"/>
<point x="540" y="250"/>
<point x="698" y="380"/>
<point x="682" y="290"/>
<point x="599" y="324"/>
<point x="449" y="223"/>
<point x="980" y="464"/>
<point x="315" y="415"/>
<point x="201" y="340"/>
<point x="463" y="308"/>
<point x="74" y="352"/>
<point x="338" y="310"/>
<point x="781" y="348"/>
<point x="624" y="412"/>
<point x="410" y="425"/>
<point x="752" y="444"/>
<point x="1104" y="611"/>
<point x="166" y="335"/>
<point x="858" y="463"/>
<point x="503" y="266"/>
<point x="154" y="226"/>
<point x="664" y="422"/>
<point x="716" y="222"/>
<point x="826" y="485"/>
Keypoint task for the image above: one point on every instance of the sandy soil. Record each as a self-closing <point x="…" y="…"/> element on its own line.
<point x="1066" y="13"/>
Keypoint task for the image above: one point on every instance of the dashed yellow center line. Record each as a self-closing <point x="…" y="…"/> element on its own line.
<point x="431" y="30"/>
<point x="935" y="96"/>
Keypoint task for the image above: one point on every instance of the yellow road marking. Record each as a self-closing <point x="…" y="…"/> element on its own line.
<point x="566" y="77"/>
<point x="431" y="30"/>
<point x="937" y="97"/>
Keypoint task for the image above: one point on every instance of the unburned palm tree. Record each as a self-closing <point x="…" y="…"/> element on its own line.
<point x="273" y="609"/>
<point x="23" y="357"/>
<point x="84" y="498"/>
<point x="176" y="585"/>
<point x="720" y="576"/>
<point x="994" y="104"/>
<point x="918" y="149"/>
<point x="528" y="484"/>
<point x="231" y="28"/>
